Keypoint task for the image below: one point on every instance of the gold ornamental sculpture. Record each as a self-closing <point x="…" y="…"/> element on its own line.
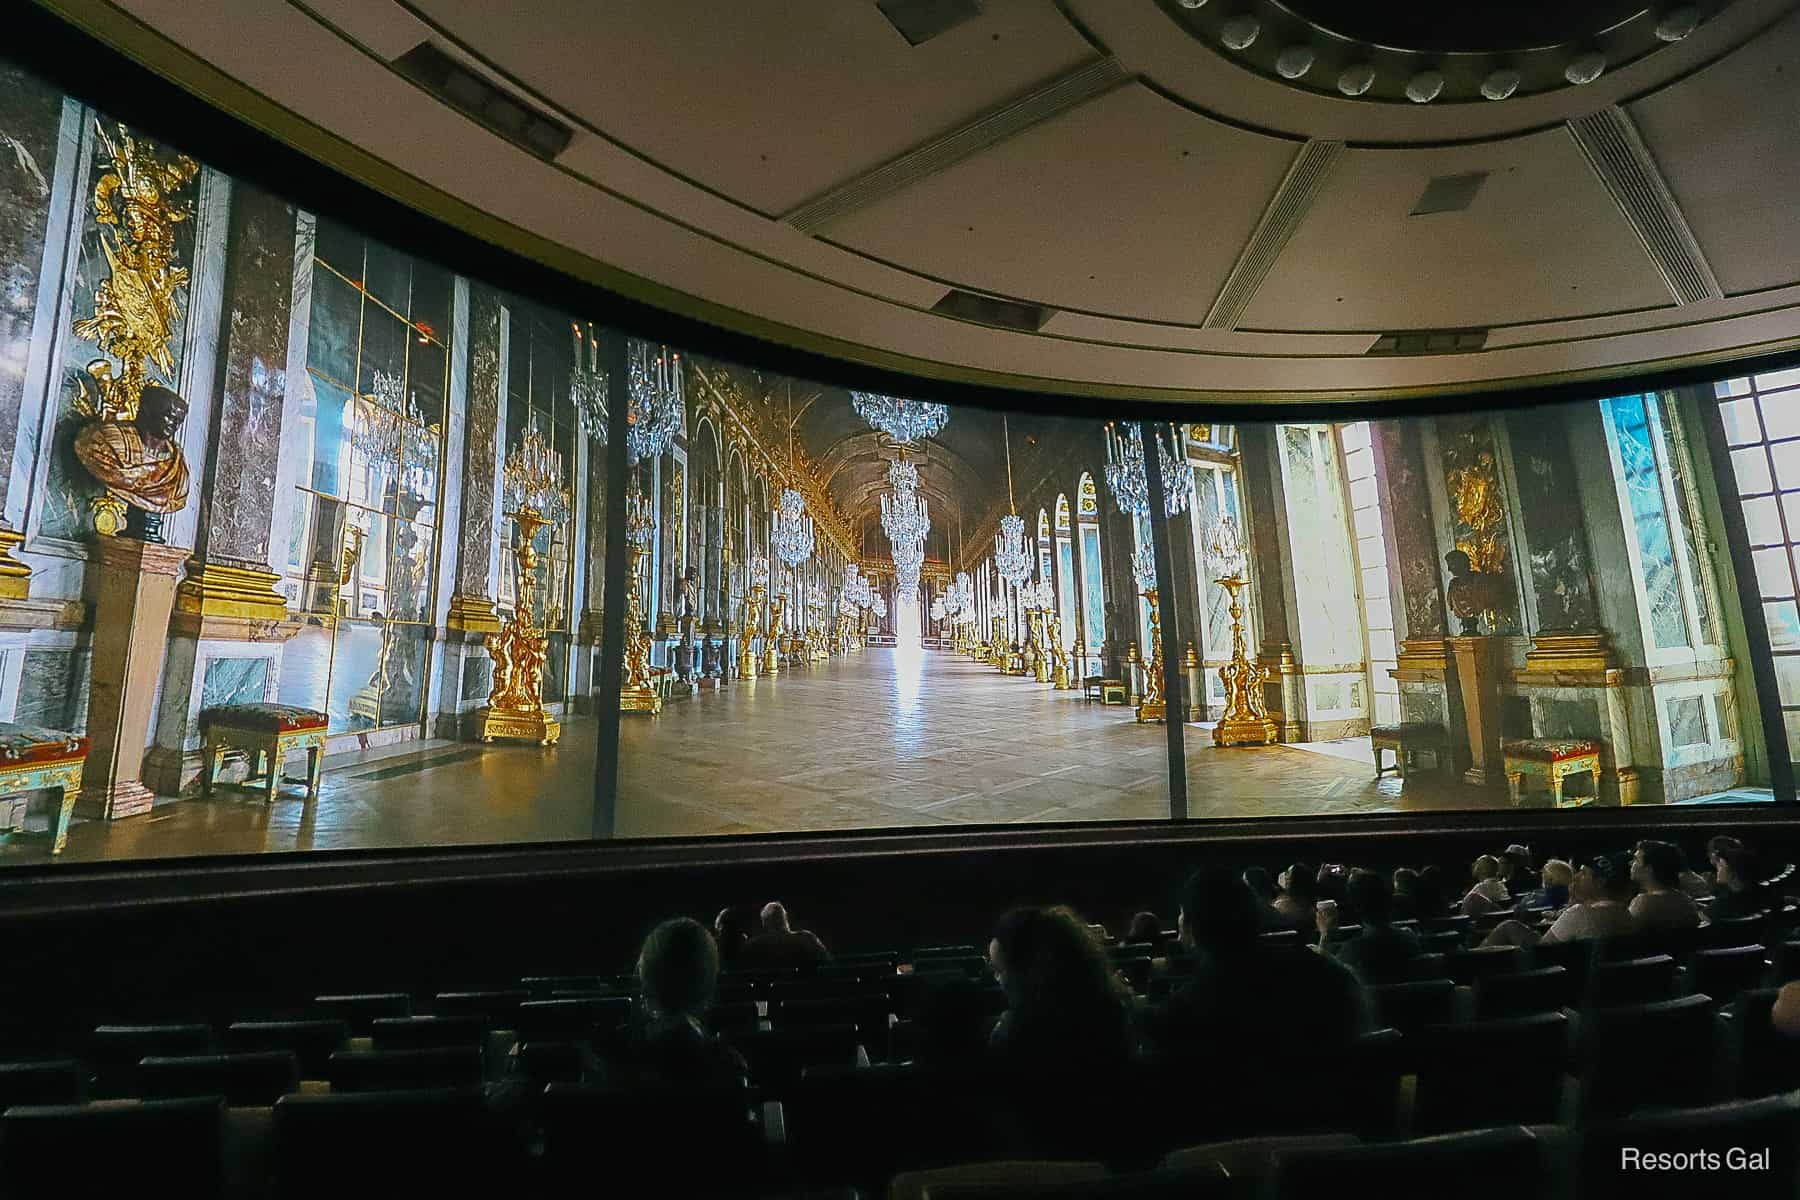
<point x="537" y="500"/>
<point x="128" y="441"/>
<point x="752" y="624"/>
<point x="772" y="642"/>
<point x="638" y="692"/>
<point x="1151" y="705"/>
<point x="1246" y="720"/>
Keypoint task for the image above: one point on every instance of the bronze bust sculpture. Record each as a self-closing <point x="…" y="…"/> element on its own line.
<point x="1472" y="594"/>
<point x="139" y="461"/>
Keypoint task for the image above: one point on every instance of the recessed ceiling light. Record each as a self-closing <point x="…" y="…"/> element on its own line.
<point x="1500" y="84"/>
<point x="1239" y="33"/>
<point x="1356" y="79"/>
<point x="1677" y="23"/>
<point x="1294" y="62"/>
<point x="1424" y="87"/>
<point x="1585" y="69"/>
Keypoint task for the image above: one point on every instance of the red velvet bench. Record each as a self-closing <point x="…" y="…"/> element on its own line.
<point x="265" y="732"/>
<point x="34" y="759"/>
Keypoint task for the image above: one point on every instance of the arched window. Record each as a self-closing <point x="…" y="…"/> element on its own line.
<point x="1065" y="570"/>
<point x="1212" y="450"/>
<point x="1093" y="591"/>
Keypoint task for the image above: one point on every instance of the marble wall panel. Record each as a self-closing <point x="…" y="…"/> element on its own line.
<point x="1556" y="552"/>
<point x="475" y="544"/>
<point x="30" y="113"/>
<point x="235" y="681"/>
<point x="53" y="689"/>
<point x="477" y="677"/>
<point x="1400" y="467"/>
<point x="238" y="501"/>
<point x="1479" y="503"/>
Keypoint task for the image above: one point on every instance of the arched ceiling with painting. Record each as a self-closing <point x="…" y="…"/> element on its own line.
<point x="1247" y="198"/>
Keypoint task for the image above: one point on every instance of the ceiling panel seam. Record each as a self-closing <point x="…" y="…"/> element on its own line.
<point x="1067" y="91"/>
<point x="1293" y="199"/>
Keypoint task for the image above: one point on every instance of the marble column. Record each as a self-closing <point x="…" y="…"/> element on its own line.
<point x="1478" y="674"/>
<point x="133" y="590"/>
<point x="229" y="606"/>
<point x="472" y="614"/>
<point x="1271" y="583"/>
<point x="593" y="596"/>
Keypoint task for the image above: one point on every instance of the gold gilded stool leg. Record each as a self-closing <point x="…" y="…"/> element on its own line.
<point x="315" y="766"/>
<point x="66" y="811"/>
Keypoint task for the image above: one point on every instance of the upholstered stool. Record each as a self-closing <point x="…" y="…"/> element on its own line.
<point x="271" y="731"/>
<point x="1404" y="741"/>
<point x="36" y="759"/>
<point x="1555" y="759"/>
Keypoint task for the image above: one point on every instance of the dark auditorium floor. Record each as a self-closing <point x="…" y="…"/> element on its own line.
<point x="875" y="740"/>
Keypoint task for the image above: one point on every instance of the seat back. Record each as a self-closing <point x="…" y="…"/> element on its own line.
<point x="1506" y="1161"/>
<point x="738" y="1016"/>
<point x="1631" y="981"/>
<point x="1725" y="972"/>
<point x="359" y="1009"/>
<point x="1466" y="966"/>
<point x="1732" y="931"/>
<point x="1410" y="1007"/>
<point x="864" y="1125"/>
<point x="420" y="1033"/>
<point x="585" y="1127"/>
<point x="312" y="1043"/>
<point x="390" y="1143"/>
<point x="157" y="1147"/>
<point x="1767" y="1061"/>
<point x="256" y="1077"/>
<point x="48" y="1081"/>
<point x="1577" y="958"/>
<point x="777" y="1056"/>
<point x="541" y="1063"/>
<point x="1542" y="990"/>
<point x="115" y="1051"/>
<point x="571" y="1019"/>
<point x="1490" y="1073"/>
<point x="1646" y="1055"/>
<point x="498" y="1007"/>
<point x="870" y="1014"/>
<point x="394" y="1070"/>
<point x="542" y="987"/>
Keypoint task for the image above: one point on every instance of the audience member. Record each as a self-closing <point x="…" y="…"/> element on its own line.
<point x="1488" y="894"/>
<point x="1298" y="902"/>
<point x="1660" y="904"/>
<point x="1516" y="870"/>
<point x="1600" y="892"/>
<point x="1405" y="885"/>
<point x="1785" y="1015"/>
<point x="731" y="932"/>
<point x="1330" y="884"/>
<point x="668" y="1041"/>
<point x="950" y="1023"/>
<point x="1065" y="1005"/>
<point x="781" y="945"/>
<point x="1554" y="892"/>
<point x="1380" y="953"/>
<point x="1738" y="885"/>
<point x="1431" y="895"/>
<point x="1146" y="929"/>
<point x="1263" y="888"/>
<point x="1248" y="1000"/>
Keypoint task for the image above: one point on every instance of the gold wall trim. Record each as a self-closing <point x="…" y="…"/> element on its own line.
<point x="132" y="38"/>
<point x="219" y="590"/>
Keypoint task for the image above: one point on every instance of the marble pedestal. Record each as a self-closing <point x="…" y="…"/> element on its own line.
<point x="134" y="594"/>
<point x="1478" y="677"/>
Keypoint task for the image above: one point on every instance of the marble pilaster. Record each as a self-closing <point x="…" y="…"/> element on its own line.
<point x="477" y="548"/>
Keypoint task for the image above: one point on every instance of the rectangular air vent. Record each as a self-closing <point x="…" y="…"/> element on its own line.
<point x="1449" y="193"/>
<point x="921" y="20"/>
<point x="506" y="114"/>
<point x="985" y="310"/>
<point x="1430" y="341"/>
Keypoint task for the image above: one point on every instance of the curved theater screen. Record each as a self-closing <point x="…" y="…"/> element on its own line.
<point x="307" y="541"/>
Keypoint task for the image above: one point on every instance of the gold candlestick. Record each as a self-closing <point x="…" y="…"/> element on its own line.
<point x="515" y="707"/>
<point x="1246" y="721"/>
<point x="1152" y="706"/>
<point x="772" y="643"/>
<point x="638" y="692"/>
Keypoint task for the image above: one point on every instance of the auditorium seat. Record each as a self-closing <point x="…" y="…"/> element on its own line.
<point x="777" y="1056"/>
<point x="385" y="1070"/>
<point x="862" y="1125"/>
<point x="46" y="1081"/>
<point x="1507" y="1161"/>
<point x="1631" y="981"/>
<point x="357" y="1010"/>
<point x="1422" y="966"/>
<point x="1522" y="993"/>
<point x="382" y="1144"/>
<point x="1458" y="924"/>
<point x="1486" y="1073"/>
<point x="311" y="1042"/>
<point x="1723" y="973"/>
<point x="114" y="1051"/>
<point x="1466" y="966"/>
<point x="1250" y="1161"/>
<point x="1733" y="931"/>
<point x="870" y="1014"/>
<point x="1770" y="1124"/>
<point x="1646" y="1055"/>
<point x="591" y="1134"/>
<point x="1411" y="1006"/>
<point x="876" y="972"/>
<point x="1135" y="972"/>
<point x="109" y="1150"/>
<point x="950" y="964"/>
<point x="740" y="1016"/>
<point x="1577" y="958"/>
<point x="1049" y="1181"/>
<point x="930" y="952"/>
<point x="541" y="986"/>
<point x="1273" y="938"/>
<point x="552" y="1020"/>
<point x="541" y="1063"/>
<point x="1767" y="1061"/>
<point x="1787" y="963"/>
<point x="256" y="1077"/>
<point x="419" y="1033"/>
<point x="499" y="1007"/>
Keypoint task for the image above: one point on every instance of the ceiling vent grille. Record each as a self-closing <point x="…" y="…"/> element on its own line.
<point x="985" y="310"/>
<point x="1305" y="178"/>
<point x="1616" y="151"/>
<point x="1449" y="193"/>
<point x="1429" y="341"/>
<point x="530" y="128"/>
<point x="921" y="20"/>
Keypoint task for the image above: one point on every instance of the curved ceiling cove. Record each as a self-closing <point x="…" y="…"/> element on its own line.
<point x="1099" y="196"/>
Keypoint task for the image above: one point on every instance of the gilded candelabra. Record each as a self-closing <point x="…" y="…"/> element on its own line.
<point x="772" y="643"/>
<point x="1152" y="705"/>
<point x="752" y="624"/>
<point x="638" y="692"/>
<point x="1059" y="653"/>
<point x="1246" y="720"/>
<point x="534" y="493"/>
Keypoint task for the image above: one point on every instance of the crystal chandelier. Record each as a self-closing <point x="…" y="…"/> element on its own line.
<point x="532" y="479"/>
<point x="903" y="420"/>
<point x="759" y="572"/>
<point x="937" y="608"/>
<point x="587" y="386"/>
<point x="1011" y="558"/>
<point x="1143" y="568"/>
<point x="855" y="592"/>
<point x="904" y="515"/>
<point x="793" y="537"/>
<point x="1225" y="556"/>
<point x="1130" y="485"/>
<point x="657" y="402"/>
<point x="388" y="427"/>
<point x="878" y="605"/>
